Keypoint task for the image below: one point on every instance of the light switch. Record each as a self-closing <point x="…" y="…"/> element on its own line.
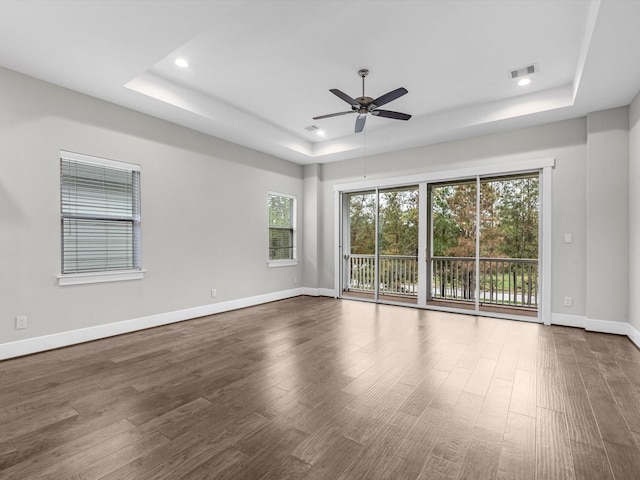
<point x="568" y="238"/>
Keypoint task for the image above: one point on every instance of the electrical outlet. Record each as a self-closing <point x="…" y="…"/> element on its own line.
<point x="214" y="293"/>
<point x="567" y="301"/>
<point x="21" y="322"/>
<point x="295" y="280"/>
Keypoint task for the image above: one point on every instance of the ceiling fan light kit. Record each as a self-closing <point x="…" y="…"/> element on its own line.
<point x="364" y="105"/>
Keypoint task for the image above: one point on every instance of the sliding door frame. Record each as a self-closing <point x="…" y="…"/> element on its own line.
<point x="543" y="165"/>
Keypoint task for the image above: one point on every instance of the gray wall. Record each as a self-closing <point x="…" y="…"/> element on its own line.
<point x="310" y="225"/>
<point x="566" y="141"/>
<point x="204" y="207"/>
<point x="204" y="212"/>
<point x="608" y="215"/>
<point x="634" y="213"/>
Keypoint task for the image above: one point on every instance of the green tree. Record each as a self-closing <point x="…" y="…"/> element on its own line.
<point x="445" y="227"/>
<point x="454" y="219"/>
<point x="508" y="220"/>
<point x="518" y="211"/>
<point x="399" y="222"/>
<point x="362" y="229"/>
<point x="491" y="235"/>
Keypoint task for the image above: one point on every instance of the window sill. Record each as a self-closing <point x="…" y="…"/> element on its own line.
<point x="100" y="277"/>
<point x="282" y="263"/>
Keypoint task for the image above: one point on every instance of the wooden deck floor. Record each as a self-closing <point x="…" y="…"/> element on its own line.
<point x="318" y="388"/>
<point x="530" y="312"/>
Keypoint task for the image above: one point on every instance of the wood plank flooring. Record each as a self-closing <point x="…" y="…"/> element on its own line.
<point x="318" y="388"/>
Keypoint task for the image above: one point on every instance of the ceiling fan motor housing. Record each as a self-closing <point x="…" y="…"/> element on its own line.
<point x="366" y="104"/>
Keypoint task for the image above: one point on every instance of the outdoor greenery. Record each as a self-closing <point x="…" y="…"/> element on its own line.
<point x="509" y="216"/>
<point x="398" y="223"/>
<point x="280" y="227"/>
<point x="508" y="220"/>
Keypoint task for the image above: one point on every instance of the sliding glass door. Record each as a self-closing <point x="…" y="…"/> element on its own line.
<point x="453" y="240"/>
<point x="509" y="247"/>
<point x="479" y="238"/>
<point x="359" y="260"/>
<point x="398" y="244"/>
<point x="484" y="237"/>
<point x="380" y="245"/>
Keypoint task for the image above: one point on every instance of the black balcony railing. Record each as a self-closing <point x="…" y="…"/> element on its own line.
<point x="502" y="281"/>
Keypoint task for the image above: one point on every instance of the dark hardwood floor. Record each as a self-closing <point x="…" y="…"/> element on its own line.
<point x="318" y="388"/>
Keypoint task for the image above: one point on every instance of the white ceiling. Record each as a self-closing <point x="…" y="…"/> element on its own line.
<point x="260" y="70"/>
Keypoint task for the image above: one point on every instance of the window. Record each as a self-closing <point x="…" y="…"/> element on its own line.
<point x="100" y="219"/>
<point x="282" y="224"/>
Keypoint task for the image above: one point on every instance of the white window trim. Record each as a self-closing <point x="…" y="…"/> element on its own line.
<point x="282" y="263"/>
<point x="98" y="161"/>
<point x="511" y="168"/>
<point x="107" y="276"/>
<point x="289" y="262"/>
<point x="100" y="277"/>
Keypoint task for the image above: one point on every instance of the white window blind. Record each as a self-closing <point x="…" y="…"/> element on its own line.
<point x="281" y="227"/>
<point x="100" y="215"/>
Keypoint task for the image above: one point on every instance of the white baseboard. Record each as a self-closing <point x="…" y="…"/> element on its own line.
<point x="567" y="320"/>
<point x="606" y="326"/>
<point x="319" y="292"/>
<point x="634" y="335"/>
<point x="595" y="325"/>
<point x="72" y="337"/>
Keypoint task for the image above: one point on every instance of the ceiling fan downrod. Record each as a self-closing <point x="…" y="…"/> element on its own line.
<point x="363" y="73"/>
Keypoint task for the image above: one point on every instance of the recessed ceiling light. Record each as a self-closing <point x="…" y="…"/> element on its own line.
<point x="181" y="62"/>
<point x="320" y="133"/>
<point x="524" y="81"/>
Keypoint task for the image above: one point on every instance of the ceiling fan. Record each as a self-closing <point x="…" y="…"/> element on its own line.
<point x="364" y="105"/>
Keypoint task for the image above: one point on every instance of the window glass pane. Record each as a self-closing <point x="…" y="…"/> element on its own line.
<point x="280" y="211"/>
<point x="94" y="190"/>
<point x="280" y="244"/>
<point x="454" y="220"/>
<point x="96" y="245"/>
<point x="510" y="217"/>
<point x="281" y="227"/>
<point x="100" y="215"/>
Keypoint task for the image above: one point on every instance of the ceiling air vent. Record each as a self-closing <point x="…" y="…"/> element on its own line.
<point x="311" y="128"/>
<point x="524" y="71"/>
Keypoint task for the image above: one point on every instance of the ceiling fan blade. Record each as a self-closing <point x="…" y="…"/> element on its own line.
<point x="344" y="97"/>
<point x="389" y="97"/>
<point x="360" y="123"/>
<point x="332" y="115"/>
<point x="390" y="114"/>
